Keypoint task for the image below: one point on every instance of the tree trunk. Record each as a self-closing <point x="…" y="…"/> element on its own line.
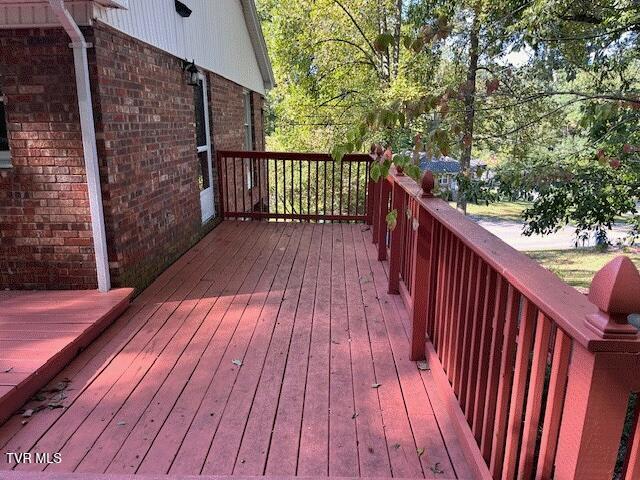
<point x="469" y="108"/>
<point x="397" y="31"/>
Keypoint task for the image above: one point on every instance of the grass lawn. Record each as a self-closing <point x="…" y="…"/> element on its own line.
<point x="504" y="210"/>
<point x="577" y="266"/>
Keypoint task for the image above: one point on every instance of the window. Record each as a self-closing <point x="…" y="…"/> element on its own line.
<point x="5" y="154"/>
<point x="249" y="140"/>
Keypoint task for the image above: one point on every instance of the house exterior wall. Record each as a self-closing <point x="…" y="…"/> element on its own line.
<point x="215" y="35"/>
<point x="145" y="127"/>
<point x="146" y="146"/>
<point x="45" y="224"/>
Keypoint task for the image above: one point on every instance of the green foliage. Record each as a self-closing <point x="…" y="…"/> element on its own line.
<point x="555" y="95"/>
<point x="392" y="219"/>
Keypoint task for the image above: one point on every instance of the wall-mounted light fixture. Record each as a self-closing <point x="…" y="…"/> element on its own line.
<point x="192" y="71"/>
<point x="182" y="9"/>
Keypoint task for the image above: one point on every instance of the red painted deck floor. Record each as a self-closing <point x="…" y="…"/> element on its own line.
<point x="268" y="349"/>
<point x="40" y="332"/>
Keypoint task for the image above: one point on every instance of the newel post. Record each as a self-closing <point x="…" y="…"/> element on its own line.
<point x="383" y="210"/>
<point x="423" y="285"/>
<point x="371" y="192"/>
<point x="599" y="383"/>
<point x="395" y="249"/>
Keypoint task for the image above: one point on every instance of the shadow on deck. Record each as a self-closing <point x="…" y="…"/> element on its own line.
<point x="268" y="349"/>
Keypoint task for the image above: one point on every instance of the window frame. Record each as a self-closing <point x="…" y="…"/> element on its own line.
<point x="5" y="155"/>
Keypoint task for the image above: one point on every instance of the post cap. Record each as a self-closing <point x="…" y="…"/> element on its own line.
<point x="615" y="290"/>
<point x="427" y="183"/>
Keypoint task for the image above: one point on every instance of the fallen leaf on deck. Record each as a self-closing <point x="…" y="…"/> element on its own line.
<point x="53" y="406"/>
<point x="355" y="415"/>
<point x="376" y="385"/>
<point x="27" y="413"/>
<point x="121" y="423"/>
<point x="423" y="365"/>
<point x="420" y="451"/>
<point x="396" y="446"/>
<point x="24" y="422"/>
<point x="436" y="469"/>
<point x="7" y="370"/>
<point x="237" y="362"/>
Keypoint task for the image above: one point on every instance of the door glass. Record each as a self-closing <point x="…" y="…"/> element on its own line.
<point x="201" y="133"/>
<point x="203" y="171"/>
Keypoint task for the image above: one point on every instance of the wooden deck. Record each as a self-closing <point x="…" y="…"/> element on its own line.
<point x="268" y="349"/>
<point x="41" y="331"/>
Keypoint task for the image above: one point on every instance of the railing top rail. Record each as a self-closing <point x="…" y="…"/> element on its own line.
<point x="316" y="157"/>
<point x="562" y="303"/>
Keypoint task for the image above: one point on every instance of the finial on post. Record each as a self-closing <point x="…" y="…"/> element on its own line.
<point x="615" y="290"/>
<point x="427" y="183"/>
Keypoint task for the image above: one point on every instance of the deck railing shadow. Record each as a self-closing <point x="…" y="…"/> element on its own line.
<point x="539" y="379"/>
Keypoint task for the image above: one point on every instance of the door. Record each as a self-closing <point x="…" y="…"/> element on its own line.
<point x="203" y="140"/>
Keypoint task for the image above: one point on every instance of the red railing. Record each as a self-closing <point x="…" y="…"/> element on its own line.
<point x="293" y="186"/>
<point x="540" y="380"/>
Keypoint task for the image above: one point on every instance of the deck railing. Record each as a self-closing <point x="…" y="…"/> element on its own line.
<point x="293" y="186"/>
<point x="539" y="379"/>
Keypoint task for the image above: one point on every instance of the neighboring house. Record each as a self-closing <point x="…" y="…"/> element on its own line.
<point x="114" y="191"/>
<point x="446" y="169"/>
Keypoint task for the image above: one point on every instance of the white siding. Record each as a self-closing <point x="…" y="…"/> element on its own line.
<point x="215" y="34"/>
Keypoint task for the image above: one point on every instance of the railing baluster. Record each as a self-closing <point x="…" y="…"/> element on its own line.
<point x="456" y="272"/>
<point x="483" y="357"/>
<point x="476" y="331"/>
<point x="459" y="333"/>
<point x="518" y="390"/>
<point x="494" y="367"/>
<point x="463" y="362"/>
<point x="555" y="403"/>
<point x="534" y="396"/>
<point x="507" y="361"/>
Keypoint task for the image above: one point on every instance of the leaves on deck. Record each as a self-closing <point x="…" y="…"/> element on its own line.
<point x="27" y="413"/>
<point x="8" y="370"/>
<point x="420" y="451"/>
<point x="237" y="362"/>
<point x="423" y="365"/>
<point x="376" y="385"/>
<point x="121" y="423"/>
<point x="436" y="469"/>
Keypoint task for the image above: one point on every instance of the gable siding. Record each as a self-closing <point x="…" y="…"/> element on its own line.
<point x="215" y="35"/>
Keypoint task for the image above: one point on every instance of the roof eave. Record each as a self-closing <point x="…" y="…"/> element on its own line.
<point x="258" y="42"/>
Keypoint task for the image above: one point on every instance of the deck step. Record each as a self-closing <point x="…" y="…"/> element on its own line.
<point x="42" y="331"/>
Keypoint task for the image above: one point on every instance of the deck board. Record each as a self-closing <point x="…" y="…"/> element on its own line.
<point x="304" y="308"/>
<point x="41" y="331"/>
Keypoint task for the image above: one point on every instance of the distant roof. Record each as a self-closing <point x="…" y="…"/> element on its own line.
<point x="443" y="164"/>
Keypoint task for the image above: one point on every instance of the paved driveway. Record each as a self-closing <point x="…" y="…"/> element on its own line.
<point x="511" y="233"/>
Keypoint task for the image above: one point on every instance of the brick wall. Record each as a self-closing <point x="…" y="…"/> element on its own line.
<point x="45" y="225"/>
<point x="227" y="109"/>
<point x="147" y="150"/>
<point x="145" y="126"/>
